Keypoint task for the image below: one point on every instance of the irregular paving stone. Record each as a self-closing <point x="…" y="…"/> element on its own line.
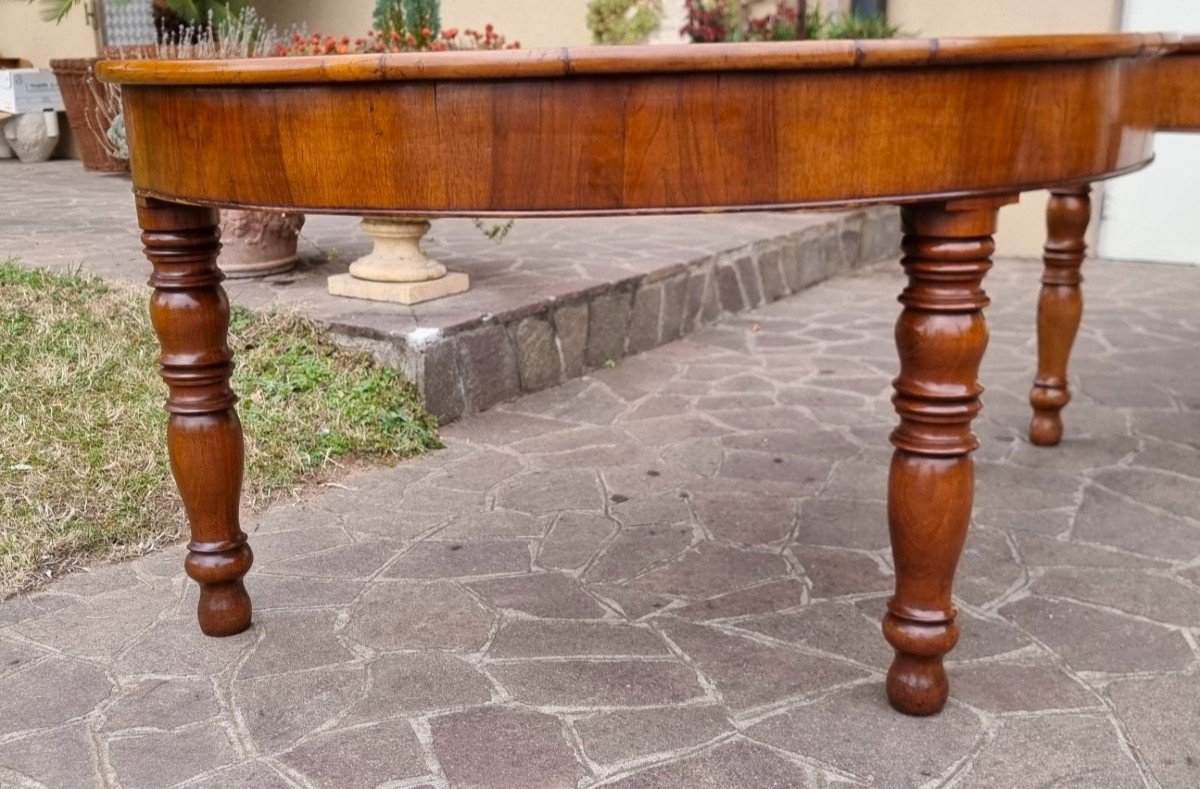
<point x="38" y="604"/>
<point x="634" y="480"/>
<point x="835" y="572"/>
<point x="1112" y="520"/>
<point x="1055" y="750"/>
<point x="1161" y="599"/>
<point x="363" y="757"/>
<point x="163" y="704"/>
<point x="1172" y="492"/>
<point x="571" y="325"/>
<point x="489" y="359"/>
<point x="357" y="560"/>
<point x="531" y="639"/>
<point x="736" y="763"/>
<point x="750" y="674"/>
<point x="537" y="354"/>
<point x="166" y="758"/>
<point x="1039" y="551"/>
<point x="1003" y="687"/>
<point x="247" y="775"/>
<point x="840" y="628"/>
<point x="292" y="642"/>
<point x="551" y="491"/>
<point x="1051" y="523"/>
<point x="177" y="647"/>
<point x="632" y="603"/>
<point x="653" y="509"/>
<point x="1174" y="426"/>
<point x="770" y="596"/>
<point x="504" y="748"/>
<point x="900" y="751"/>
<point x="88" y="582"/>
<point x="50" y="692"/>
<point x="711" y="569"/>
<point x="549" y="595"/>
<point x="465" y="559"/>
<point x="644" y="319"/>
<point x="14" y="655"/>
<point x="1040" y="489"/>
<point x="814" y="442"/>
<point x="290" y="592"/>
<point x="734" y="402"/>
<point x="561" y="441"/>
<point x="1090" y="639"/>
<point x="636" y="549"/>
<point x="59" y="757"/>
<point x="1074" y="455"/>
<point x="418" y="683"/>
<point x="595" y="405"/>
<point x="750" y="520"/>
<point x="802" y="475"/>
<point x="843" y="524"/>
<point x="1160" y="716"/>
<point x="279" y="710"/>
<point x="405" y="615"/>
<point x="608" y="325"/>
<point x="494" y="524"/>
<point x="1168" y="457"/>
<point x="274" y="547"/>
<point x="987" y="568"/>
<point x="583" y="684"/>
<point x="442" y="380"/>
<point x="574" y="540"/>
<point x="100" y="627"/>
<point x="611" y="737"/>
<point x="480" y="471"/>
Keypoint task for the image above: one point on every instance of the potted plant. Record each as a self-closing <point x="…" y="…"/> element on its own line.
<point x="253" y="243"/>
<point x="76" y="81"/>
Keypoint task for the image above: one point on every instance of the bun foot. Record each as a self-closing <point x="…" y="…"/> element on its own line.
<point x="224" y="608"/>
<point x="1046" y="430"/>
<point x="916" y="682"/>
<point x="917" y="686"/>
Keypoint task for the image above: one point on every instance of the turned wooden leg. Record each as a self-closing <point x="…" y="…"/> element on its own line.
<point x="941" y="337"/>
<point x="1059" y="309"/>
<point x="190" y="314"/>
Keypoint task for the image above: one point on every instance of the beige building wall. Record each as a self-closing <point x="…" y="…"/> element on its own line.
<point x="24" y="35"/>
<point x="1022" y="226"/>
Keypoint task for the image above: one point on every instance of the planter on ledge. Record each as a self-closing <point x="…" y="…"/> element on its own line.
<point x="258" y="243"/>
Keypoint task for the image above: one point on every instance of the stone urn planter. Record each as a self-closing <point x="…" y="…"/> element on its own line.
<point x="32" y="136"/>
<point x="258" y="243"/>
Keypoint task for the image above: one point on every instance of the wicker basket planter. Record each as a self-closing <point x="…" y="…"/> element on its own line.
<point x="84" y="114"/>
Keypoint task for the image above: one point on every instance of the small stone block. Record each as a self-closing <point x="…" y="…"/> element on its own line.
<point x="399" y="292"/>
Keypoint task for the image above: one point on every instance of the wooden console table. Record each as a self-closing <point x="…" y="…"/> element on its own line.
<point x="951" y="130"/>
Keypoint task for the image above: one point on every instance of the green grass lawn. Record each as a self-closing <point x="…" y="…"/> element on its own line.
<point x="83" y="462"/>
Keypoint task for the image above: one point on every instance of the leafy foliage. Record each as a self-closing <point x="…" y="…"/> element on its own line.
<point x="711" y="21"/>
<point x="190" y="12"/>
<point x="418" y="20"/>
<point x="623" y="21"/>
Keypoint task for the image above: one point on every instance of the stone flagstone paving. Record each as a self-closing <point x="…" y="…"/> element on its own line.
<point x="670" y="574"/>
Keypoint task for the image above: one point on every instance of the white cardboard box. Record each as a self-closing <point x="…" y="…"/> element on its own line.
<point x="28" y="90"/>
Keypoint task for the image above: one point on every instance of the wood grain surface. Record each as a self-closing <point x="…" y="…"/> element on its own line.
<point x="643" y="129"/>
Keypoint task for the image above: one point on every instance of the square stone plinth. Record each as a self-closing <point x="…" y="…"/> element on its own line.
<point x="399" y="292"/>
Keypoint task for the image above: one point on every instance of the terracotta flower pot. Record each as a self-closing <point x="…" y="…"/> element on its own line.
<point x="258" y="243"/>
